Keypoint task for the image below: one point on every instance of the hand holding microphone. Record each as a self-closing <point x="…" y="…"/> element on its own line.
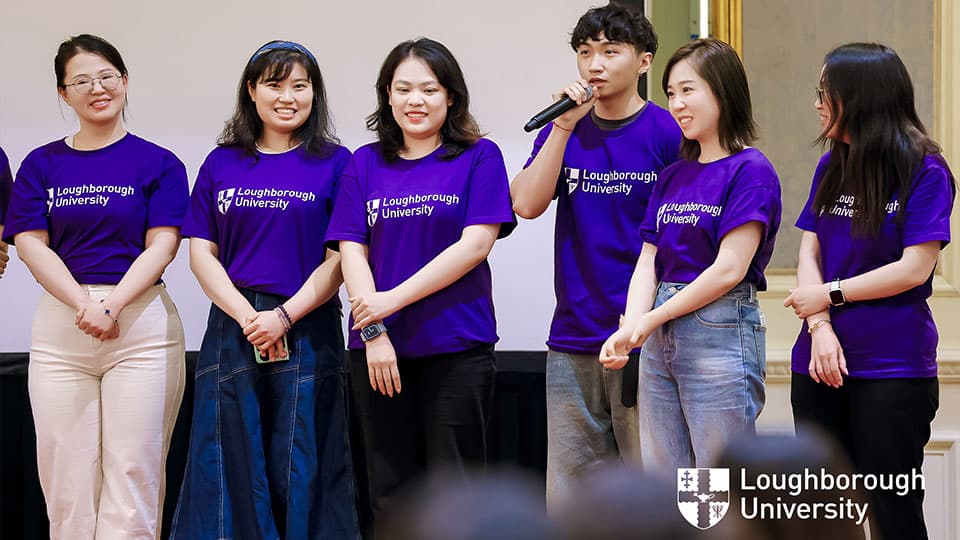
<point x="574" y="96"/>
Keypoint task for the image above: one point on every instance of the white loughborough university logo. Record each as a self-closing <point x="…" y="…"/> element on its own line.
<point x="573" y="179"/>
<point x="49" y="200"/>
<point x="224" y="198"/>
<point x="703" y="495"/>
<point x="373" y="210"/>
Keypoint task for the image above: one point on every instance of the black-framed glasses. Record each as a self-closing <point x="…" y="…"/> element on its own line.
<point x="84" y="85"/>
<point x="819" y="92"/>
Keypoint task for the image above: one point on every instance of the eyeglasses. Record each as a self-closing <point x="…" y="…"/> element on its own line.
<point x="84" y="85"/>
<point x="820" y="92"/>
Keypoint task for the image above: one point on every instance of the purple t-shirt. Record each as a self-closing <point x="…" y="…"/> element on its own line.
<point x="694" y="205"/>
<point x="6" y="184"/>
<point x="97" y="205"/>
<point x="408" y="212"/>
<point x="267" y="216"/>
<point x="605" y="181"/>
<point x="887" y="337"/>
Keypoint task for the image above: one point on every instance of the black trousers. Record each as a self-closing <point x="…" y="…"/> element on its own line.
<point x="883" y="424"/>
<point x="438" y="421"/>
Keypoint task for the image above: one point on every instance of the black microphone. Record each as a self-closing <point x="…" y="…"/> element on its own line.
<point x="551" y="113"/>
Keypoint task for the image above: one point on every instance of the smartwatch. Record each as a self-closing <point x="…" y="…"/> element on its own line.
<point x="372" y="331"/>
<point x="836" y="294"/>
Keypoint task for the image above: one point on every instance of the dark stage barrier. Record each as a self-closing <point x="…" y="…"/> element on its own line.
<point x="517" y="436"/>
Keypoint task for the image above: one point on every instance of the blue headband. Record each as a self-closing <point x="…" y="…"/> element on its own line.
<point x="280" y="45"/>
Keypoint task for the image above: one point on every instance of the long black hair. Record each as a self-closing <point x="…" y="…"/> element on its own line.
<point x="720" y="67"/>
<point x="870" y="96"/>
<point x="459" y="130"/>
<point x="273" y="62"/>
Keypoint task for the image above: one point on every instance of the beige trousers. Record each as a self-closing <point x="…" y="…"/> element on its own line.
<point x="104" y="414"/>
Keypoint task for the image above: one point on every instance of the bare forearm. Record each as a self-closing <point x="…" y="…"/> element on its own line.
<point x="319" y="288"/>
<point x="809" y="272"/>
<point x="643" y="288"/>
<point x="912" y="270"/>
<point x="142" y="274"/>
<point x="50" y="271"/>
<point x="357" y="275"/>
<point x="447" y="267"/>
<point x="710" y="285"/>
<point x="216" y="284"/>
<point x="534" y="187"/>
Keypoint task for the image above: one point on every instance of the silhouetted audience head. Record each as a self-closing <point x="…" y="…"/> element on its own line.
<point x="787" y="457"/>
<point x="502" y="505"/>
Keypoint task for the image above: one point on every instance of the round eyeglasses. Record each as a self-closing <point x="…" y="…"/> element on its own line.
<point x="84" y="85"/>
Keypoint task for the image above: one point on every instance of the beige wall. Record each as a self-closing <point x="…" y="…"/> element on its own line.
<point x="784" y="43"/>
<point x="671" y="20"/>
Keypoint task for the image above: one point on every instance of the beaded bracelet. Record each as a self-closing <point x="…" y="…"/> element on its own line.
<point x="284" y="317"/>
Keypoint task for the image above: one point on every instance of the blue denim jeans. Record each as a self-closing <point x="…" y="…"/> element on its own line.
<point x="701" y="379"/>
<point x="587" y="423"/>
<point x="269" y="454"/>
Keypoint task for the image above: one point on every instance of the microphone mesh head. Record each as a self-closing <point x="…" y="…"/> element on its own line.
<point x="589" y="90"/>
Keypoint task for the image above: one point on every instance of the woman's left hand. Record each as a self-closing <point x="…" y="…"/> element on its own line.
<point x="370" y="308"/>
<point x="808" y="299"/>
<point x="93" y="320"/>
<point x="616" y="351"/>
<point x="264" y="329"/>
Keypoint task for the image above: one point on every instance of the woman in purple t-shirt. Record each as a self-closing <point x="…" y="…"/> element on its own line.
<point x="6" y="183"/>
<point x="269" y="454"/>
<point x="416" y="216"/>
<point x="708" y="235"/>
<point x="96" y="219"/>
<point x="865" y="362"/>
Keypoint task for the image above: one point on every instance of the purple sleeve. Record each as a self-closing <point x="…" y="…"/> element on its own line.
<point x="670" y="140"/>
<point x="349" y="219"/>
<point x="538" y="143"/>
<point x="754" y="196"/>
<point x="807" y="220"/>
<point x="169" y="195"/>
<point x="488" y="199"/>
<point x="200" y="221"/>
<point x="28" y="203"/>
<point x="648" y="228"/>
<point x="927" y="212"/>
<point x="341" y="160"/>
<point x="6" y="185"/>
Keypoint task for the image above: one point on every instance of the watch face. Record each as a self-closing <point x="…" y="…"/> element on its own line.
<point x="370" y="332"/>
<point x="836" y="297"/>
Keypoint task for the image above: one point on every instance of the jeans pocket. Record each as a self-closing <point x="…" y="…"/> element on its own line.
<point x="724" y="312"/>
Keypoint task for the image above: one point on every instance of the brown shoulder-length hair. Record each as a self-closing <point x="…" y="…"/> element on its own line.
<point x="459" y="130"/>
<point x="719" y="65"/>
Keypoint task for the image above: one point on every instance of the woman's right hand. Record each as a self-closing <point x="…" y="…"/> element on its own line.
<point x="577" y="92"/>
<point x="382" y="366"/>
<point x="827" y="363"/>
<point x="93" y="320"/>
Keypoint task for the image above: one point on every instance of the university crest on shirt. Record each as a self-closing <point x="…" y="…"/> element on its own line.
<point x="573" y="179"/>
<point x="49" y="200"/>
<point x="373" y="210"/>
<point x="703" y="495"/>
<point x="224" y="199"/>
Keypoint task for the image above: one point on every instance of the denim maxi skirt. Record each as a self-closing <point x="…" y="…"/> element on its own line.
<point x="269" y="452"/>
